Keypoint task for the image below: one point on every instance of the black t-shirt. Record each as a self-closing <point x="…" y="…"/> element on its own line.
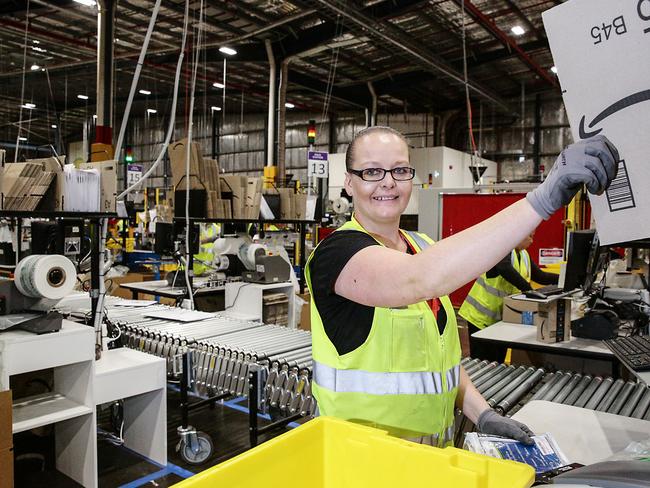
<point x="346" y="323"/>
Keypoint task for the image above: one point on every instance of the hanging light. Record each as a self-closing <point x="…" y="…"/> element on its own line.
<point x="216" y="84"/>
<point x="215" y="108"/>
<point x="227" y="50"/>
<point x="82" y="97"/>
<point x="29" y="106"/>
<point x="554" y="69"/>
<point x="144" y="92"/>
<point x="87" y="3"/>
<point x="289" y="105"/>
<point x="152" y="111"/>
<point x="517" y="30"/>
<point x="35" y="67"/>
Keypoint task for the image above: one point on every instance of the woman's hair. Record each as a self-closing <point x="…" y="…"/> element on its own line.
<point x="349" y="153"/>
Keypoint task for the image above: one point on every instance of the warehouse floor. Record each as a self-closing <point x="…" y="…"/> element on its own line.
<point x="226" y="424"/>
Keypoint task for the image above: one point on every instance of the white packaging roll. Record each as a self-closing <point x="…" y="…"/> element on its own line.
<point x="45" y="276"/>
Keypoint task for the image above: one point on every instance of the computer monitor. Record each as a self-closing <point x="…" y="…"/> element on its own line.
<point x="578" y="252"/>
<point x="598" y="260"/>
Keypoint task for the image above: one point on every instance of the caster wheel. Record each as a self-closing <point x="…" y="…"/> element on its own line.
<point x="197" y="453"/>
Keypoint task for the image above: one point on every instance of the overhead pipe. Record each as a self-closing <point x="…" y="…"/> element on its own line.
<point x="105" y="22"/>
<point x="282" y="119"/>
<point x="373" y="111"/>
<point x="271" y="118"/>
<point x="400" y="39"/>
<point x="506" y="40"/>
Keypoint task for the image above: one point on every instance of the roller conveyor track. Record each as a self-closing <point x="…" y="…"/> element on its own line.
<point x="507" y="388"/>
<point x="223" y="350"/>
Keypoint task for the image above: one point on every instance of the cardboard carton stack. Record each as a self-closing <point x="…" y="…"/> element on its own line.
<point x="24" y="185"/>
<point x="243" y="194"/>
<point x="293" y="206"/>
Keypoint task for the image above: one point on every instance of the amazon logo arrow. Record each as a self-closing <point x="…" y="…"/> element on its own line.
<point x="628" y="101"/>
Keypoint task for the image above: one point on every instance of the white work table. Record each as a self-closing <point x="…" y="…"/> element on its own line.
<point x="585" y="436"/>
<point x="141" y="380"/>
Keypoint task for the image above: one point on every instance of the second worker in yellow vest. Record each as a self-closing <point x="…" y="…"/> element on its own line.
<point x="483" y="305"/>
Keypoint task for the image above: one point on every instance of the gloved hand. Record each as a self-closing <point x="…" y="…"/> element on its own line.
<point x="490" y="422"/>
<point x="592" y="162"/>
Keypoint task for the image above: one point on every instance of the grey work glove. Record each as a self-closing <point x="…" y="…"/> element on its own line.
<point x="490" y="422"/>
<point x="592" y="162"/>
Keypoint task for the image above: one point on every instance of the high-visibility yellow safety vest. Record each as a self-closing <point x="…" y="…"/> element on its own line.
<point x="403" y="379"/>
<point x="483" y="304"/>
<point x="205" y="255"/>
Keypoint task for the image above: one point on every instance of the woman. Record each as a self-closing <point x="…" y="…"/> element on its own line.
<point x="385" y="343"/>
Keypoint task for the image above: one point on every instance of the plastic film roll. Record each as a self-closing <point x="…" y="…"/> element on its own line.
<point x="45" y="276"/>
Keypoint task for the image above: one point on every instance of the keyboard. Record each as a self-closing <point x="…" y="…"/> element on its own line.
<point x="633" y="351"/>
<point x="545" y="291"/>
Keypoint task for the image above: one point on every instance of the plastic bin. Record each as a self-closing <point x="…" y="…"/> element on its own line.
<point x="332" y="453"/>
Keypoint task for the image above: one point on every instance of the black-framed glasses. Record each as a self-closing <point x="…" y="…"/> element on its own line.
<point x="401" y="173"/>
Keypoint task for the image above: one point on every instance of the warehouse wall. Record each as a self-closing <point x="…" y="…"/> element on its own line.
<point x="242" y="141"/>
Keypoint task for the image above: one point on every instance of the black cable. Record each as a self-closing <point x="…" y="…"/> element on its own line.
<point x="237" y="296"/>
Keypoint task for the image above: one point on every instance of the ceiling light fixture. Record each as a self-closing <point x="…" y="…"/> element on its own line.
<point x="53" y="126"/>
<point x="35" y="67"/>
<point x="289" y="105"/>
<point x="216" y="84"/>
<point x="227" y="50"/>
<point x="215" y="108"/>
<point x="518" y="30"/>
<point x="22" y="138"/>
<point x="151" y="111"/>
<point x="87" y="3"/>
<point x="554" y="69"/>
<point x="39" y="49"/>
<point x="29" y="106"/>
<point x="82" y="97"/>
<point x="35" y="41"/>
<point x="144" y="92"/>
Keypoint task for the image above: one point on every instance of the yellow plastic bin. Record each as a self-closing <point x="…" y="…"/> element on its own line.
<point x="332" y="453"/>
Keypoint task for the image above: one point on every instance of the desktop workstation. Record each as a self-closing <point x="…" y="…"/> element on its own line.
<point x="591" y="416"/>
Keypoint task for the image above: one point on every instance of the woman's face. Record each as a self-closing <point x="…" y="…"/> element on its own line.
<point x="385" y="200"/>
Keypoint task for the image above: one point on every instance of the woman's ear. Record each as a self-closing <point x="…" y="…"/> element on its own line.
<point x="347" y="184"/>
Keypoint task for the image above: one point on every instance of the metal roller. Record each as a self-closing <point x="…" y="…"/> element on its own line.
<point x="643" y="406"/>
<point x="499" y="395"/>
<point x="551" y="379"/>
<point x="577" y="391"/>
<point x="555" y="389"/>
<point x="568" y="388"/>
<point x="599" y="394"/>
<point x="622" y="397"/>
<point x="610" y="396"/>
<point x="474" y="365"/>
<point x="503" y="382"/>
<point x="637" y="394"/>
<point x="511" y="400"/>
<point x="490" y="374"/>
<point x="586" y="395"/>
<point x="478" y="374"/>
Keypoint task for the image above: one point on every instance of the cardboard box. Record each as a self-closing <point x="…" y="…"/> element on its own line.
<point x="7" y="468"/>
<point x="108" y="182"/>
<point x="305" y="312"/>
<point x="287" y="203"/>
<point x="236" y="186"/>
<point x="551" y="317"/>
<point x="212" y="178"/>
<point x="101" y="152"/>
<point x="600" y="49"/>
<point x="300" y="206"/>
<point x="519" y="311"/>
<point x="253" y="198"/>
<point x="6" y="436"/>
<point x="553" y="320"/>
<point x="177" y="153"/>
<point x="24" y="185"/>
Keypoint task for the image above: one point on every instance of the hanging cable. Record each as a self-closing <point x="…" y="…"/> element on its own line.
<point x="22" y="88"/>
<point x="172" y="117"/>
<point x="188" y="152"/>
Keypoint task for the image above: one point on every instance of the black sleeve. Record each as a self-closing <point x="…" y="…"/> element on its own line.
<point x="505" y="269"/>
<point x="346" y="323"/>
<point x="542" y="277"/>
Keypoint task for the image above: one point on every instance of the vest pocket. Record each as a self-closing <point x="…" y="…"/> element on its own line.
<point x="409" y="344"/>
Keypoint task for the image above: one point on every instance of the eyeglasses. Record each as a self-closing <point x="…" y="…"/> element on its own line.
<point x="401" y="173"/>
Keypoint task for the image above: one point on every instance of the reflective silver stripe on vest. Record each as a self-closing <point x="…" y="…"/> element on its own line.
<point x="453" y="377"/>
<point x="490" y="289"/>
<point x="496" y="316"/>
<point x="419" y="240"/>
<point x="449" y="434"/>
<point x="375" y="383"/>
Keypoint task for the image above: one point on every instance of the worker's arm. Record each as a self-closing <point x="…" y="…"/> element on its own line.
<point x="505" y="269"/>
<point x="469" y="400"/>
<point x="542" y="277"/>
<point x="382" y="277"/>
<point x="487" y="421"/>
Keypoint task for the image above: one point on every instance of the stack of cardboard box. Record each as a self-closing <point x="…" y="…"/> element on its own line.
<point x="24" y="185"/>
<point x="293" y="206"/>
<point x="243" y="194"/>
<point x="6" y="441"/>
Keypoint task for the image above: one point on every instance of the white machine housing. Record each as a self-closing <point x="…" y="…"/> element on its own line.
<point x="440" y="167"/>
